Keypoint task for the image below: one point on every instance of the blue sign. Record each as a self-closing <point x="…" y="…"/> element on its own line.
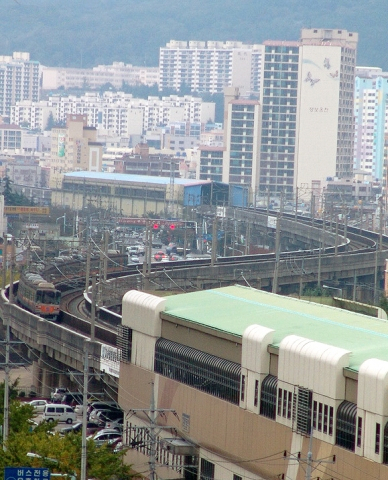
<point x="26" y="473"/>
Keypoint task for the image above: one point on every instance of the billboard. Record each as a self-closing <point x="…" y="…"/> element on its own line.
<point x="61" y="145"/>
<point x="10" y="210"/>
<point x="110" y="360"/>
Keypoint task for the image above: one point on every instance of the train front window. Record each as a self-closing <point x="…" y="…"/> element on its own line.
<point x="50" y="297"/>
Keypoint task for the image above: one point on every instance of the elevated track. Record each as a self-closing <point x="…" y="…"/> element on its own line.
<point x="337" y="254"/>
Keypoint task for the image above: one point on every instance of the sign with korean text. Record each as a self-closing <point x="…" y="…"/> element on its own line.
<point x="26" y="473"/>
<point x="8" y="209"/>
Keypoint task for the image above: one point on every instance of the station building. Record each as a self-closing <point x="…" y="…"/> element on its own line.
<point x="137" y="195"/>
<point x="236" y="380"/>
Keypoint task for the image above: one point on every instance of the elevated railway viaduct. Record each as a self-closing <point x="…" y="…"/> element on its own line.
<point x="325" y="253"/>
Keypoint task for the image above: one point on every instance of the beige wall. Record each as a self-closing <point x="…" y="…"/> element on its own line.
<point x="318" y="114"/>
<point x="235" y="434"/>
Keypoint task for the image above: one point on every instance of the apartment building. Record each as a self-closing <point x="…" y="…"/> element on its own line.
<point x="118" y="112"/>
<point x="19" y="80"/>
<point x="370" y="112"/>
<point x="242" y="139"/>
<point x="210" y="66"/>
<point x="307" y="100"/>
<point x="74" y="148"/>
<point x="10" y="138"/>
<point x="116" y="74"/>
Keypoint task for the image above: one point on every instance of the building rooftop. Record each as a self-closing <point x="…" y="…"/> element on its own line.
<point x="233" y="309"/>
<point x="124" y="177"/>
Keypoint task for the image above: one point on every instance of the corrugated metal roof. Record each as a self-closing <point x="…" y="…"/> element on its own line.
<point x="124" y="177"/>
<point x="233" y="309"/>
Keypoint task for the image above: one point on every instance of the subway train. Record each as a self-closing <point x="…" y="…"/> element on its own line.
<point x="39" y="296"/>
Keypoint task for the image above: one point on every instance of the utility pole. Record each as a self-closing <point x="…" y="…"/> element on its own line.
<point x="214" y="242"/>
<point x="309" y="460"/>
<point x="93" y="308"/>
<point x="6" y="311"/>
<point x="152" y="414"/>
<point x="87" y="268"/>
<point x="277" y="247"/>
<point x="84" y="411"/>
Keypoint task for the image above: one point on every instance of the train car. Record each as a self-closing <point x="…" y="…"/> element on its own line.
<point x="39" y="296"/>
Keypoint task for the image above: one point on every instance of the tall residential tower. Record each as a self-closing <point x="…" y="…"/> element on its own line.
<point x="307" y="103"/>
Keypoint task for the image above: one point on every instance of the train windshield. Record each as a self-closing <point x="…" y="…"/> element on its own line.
<point x="47" y="296"/>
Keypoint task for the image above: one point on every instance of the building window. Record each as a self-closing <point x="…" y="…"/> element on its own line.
<point x="385" y="446"/>
<point x="359" y="431"/>
<point x="236" y="477"/>
<point x="242" y="387"/>
<point x="325" y="419"/>
<point x="280" y="401"/>
<point x="377" y="439"/>
<point x="331" y="417"/>
<point x="289" y="407"/>
<point x="268" y="396"/>
<point x="346" y="425"/>
<point x="207" y="470"/>
<point x="256" y="399"/>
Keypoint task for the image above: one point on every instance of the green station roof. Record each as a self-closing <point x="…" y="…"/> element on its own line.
<point x="233" y="309"/>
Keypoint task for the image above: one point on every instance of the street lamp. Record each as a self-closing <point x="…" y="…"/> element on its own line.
<point x="71" y="476"/>
<point x="64" y="223"/>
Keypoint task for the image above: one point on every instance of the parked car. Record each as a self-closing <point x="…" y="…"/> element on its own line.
<point x="135" y="259"/>
<point x="38" y="405"/>
<point x="57" y="394"/>
<point x="115" y="424"/>
<point x="60" y="413"/>
<point x="106" y="416"/>
<point x="91" y="428"/>
<point x="94" y="415"/>
<point x="107" y="405"/>
<point x="104" y="436"/>
<point x="72" y="398"/>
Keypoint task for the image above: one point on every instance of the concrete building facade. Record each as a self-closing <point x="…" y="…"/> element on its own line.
<point x="240" y="379"/>
<point x="242" y="141"/>
<point x="370" y="112"/>
<point x="307" y="102"/>
<point x="19" y="80"/>
<point x="74" y="148"/>
<point x="116" y="74"/>
<point x="119" y="112"/>
<point x="210" y="66"/>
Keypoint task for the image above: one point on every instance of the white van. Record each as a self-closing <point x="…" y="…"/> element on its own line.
<point x="60" y="413"/>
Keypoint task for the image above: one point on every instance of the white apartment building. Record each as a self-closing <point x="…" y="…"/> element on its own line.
<point x="118" y="112"/>
<point x="210" y="66"/>
<point x="307" y="103"/>
<point x="370" y="113"/>
<point x="19" y="80"/>
<point x="116" y="74"/>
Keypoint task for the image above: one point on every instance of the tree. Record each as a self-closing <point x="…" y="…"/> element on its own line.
<point x="50" y="122"/>
<point x="60" y="454"/>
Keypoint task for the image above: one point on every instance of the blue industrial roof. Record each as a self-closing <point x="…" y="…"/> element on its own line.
<point x="124" y="177"/>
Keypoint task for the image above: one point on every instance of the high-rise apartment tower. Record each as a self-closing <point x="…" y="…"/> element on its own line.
<point x="307" y="104"/>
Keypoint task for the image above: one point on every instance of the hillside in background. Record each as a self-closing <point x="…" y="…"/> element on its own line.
<point x="75" y="33"/>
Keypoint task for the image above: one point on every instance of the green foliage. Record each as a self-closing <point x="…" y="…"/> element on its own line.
<point x="315" y="292"/>
<point x="11" y="197"/>
<point x="50" y="122"/>
<point x="384" y="303"/>
<point x="102" y="462"/>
